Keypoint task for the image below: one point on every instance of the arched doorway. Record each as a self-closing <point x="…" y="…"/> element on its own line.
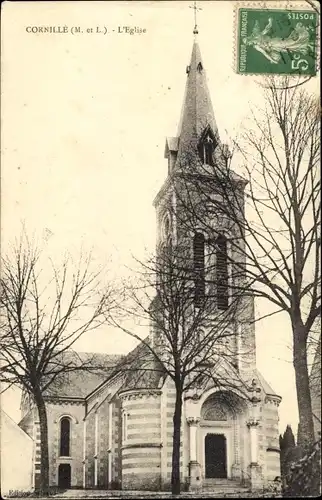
<point x="220" y="446"/>
<point x="216" y="456"/>
<point x="64" y="476"/>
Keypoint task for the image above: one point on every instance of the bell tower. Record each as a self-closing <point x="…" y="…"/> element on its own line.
<point x="183" y="219"/>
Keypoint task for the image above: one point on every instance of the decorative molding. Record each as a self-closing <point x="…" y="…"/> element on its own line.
<point x="252" y="422"/>
<point x="255" y="389"/>
<point x="141" y="445"/>
<point x="135" y="394"/>
<point x="192" y="397"/>
<point x="273" y="448"/>
<point x="273" y="399"/>
<point x="66" y="415"/>
<point x="193" y="420"/>
<point x="63" y="401"/>
<point x="254" y="465"/>
<point x="62" y="458"/>
<point x="211" y="423"/>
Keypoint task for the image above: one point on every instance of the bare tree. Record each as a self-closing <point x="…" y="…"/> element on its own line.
<point x="189" y="333"/>
<point x="40" y="322"/>
<point x="280" y="193"/>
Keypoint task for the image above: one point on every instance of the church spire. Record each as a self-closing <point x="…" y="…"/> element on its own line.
<point x="197" y="116"/>
<point x="197" y="134"/>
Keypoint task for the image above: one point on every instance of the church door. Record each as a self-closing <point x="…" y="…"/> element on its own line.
<point x="64" y="476"/>
<point x="215" y="455"/>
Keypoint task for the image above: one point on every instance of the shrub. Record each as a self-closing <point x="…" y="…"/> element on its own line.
<point x="304" y="476"/>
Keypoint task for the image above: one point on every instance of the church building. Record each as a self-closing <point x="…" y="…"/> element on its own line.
<point x="114" y="431"/>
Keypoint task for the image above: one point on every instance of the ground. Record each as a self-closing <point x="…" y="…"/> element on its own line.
<point x="117" y="494"/>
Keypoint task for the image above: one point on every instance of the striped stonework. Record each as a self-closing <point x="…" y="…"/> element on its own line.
<point x="141" y="440"/>
<point x="90" y="450"/>
<point x="116" y="445"/>
<point x="271" y="454"/>
<point x="103" y="433"/>
<point x="169" y="412"/>
<point x="163" y="437"/>
<point x="36" y="436"/>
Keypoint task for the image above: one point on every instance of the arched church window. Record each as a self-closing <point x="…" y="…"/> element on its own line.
<point x="65" y="437"/>
<point x="222" y="272"/>
<point x="199" y="267"/>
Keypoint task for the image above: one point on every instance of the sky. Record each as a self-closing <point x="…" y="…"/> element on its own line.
<point x="84" y="121"/>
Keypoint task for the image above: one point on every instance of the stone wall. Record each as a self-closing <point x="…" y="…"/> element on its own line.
<point x="167" y="439"/>
<point x="75" y="411"/>
<point x="271" y="451"/>
<point x="141" y="440"/>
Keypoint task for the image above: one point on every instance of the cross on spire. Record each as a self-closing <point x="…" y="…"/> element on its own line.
<point x="195" y="8"/>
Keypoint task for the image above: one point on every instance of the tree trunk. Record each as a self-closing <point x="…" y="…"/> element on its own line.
<point x="44" y="464"/>
<point x="175" y="476"/>
<point x="306" y="434"/>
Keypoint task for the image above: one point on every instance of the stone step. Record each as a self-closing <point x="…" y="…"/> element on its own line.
<point x="223" y="486"/>
<point x="227" y="489"/>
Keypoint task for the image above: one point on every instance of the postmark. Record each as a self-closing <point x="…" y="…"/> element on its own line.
<point x="276" y="41"/>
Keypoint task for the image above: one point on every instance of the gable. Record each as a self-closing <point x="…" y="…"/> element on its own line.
<point x="267" y="389"/>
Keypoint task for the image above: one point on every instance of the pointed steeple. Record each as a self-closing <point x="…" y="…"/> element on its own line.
<point x="197" y="116"/>
<point x="197" y="111"/>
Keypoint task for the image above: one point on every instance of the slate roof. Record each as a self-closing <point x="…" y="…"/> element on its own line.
<point x="138" y="366"/>
<point x="171" y="144"/>
<point x="141" y="369"/>
<point x="265" y="385"/>
<point x="80" y="383"/>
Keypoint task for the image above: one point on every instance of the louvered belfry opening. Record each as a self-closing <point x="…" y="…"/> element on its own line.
<point x="222" y="272"/>
<point x="206" y="147"/>
<point x="199" y="267"/>
<point x="209" y="150"/>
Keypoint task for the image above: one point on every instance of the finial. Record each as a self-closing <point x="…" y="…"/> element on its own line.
<point x="195" y="8"/>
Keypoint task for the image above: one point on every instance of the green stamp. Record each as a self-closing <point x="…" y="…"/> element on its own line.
<point x="276" y="41"/>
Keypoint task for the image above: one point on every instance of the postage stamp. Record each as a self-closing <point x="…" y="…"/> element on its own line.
<point x="271" y="41"/>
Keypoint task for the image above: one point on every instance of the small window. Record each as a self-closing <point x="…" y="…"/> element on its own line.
<point x="199" y="67"/>
<point x="222" y="272"/>
<point x="124" y="426"/>
<point x="65" y="437"/>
